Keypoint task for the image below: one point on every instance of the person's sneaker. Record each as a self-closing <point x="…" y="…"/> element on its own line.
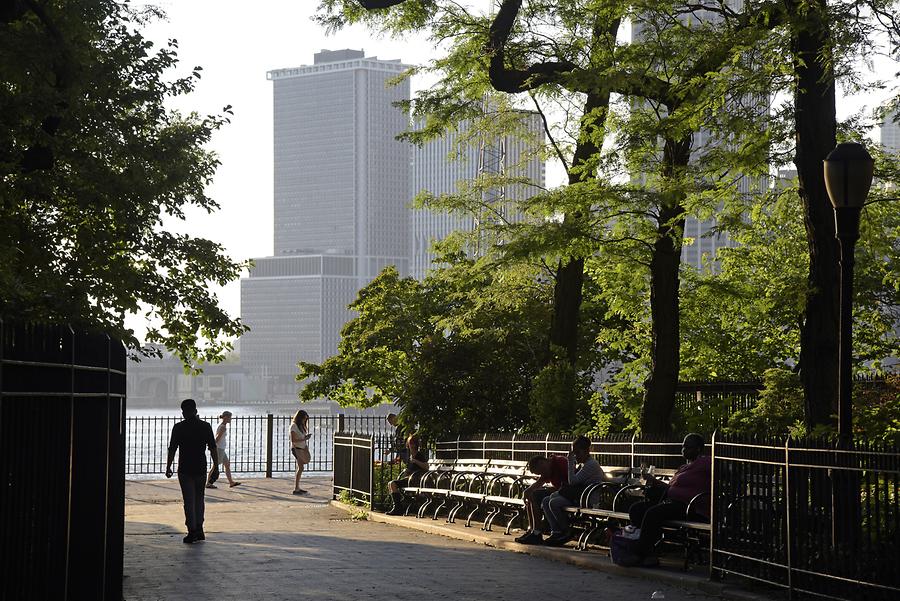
<point x="233" y="484"/>
<point x="189" y="539"/>
<point x="530" y="538"/>
<point x="299" y="491"/>
<point x="211" y="486"/>
<point x="558" y="539"/>
<point x="395" y="510"/>
<point x="200" y="535"/>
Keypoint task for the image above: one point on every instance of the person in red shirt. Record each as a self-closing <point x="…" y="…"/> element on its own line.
<point x="553" y="470"/>
<point x="691" y="479"/>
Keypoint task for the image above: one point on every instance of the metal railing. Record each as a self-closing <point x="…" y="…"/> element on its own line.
<point x="257" y="444"/>
<point x="625" y="450"/>
<point x="802" y="516"/>
<point x="808" y="517"/>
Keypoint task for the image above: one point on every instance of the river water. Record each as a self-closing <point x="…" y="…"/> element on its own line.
<point x="250" y="452"/>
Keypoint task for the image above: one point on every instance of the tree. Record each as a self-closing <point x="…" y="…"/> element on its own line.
<point x="456" y="352"/>
<point x="91" y="162"/>
<point x="800" y="47"/>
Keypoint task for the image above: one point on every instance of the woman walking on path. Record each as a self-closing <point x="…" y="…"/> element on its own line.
<point x="300" y="446"/>
<point x="221" y="446"/>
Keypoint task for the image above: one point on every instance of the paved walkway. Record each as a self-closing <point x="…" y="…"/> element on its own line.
<point x="263" y="543"/>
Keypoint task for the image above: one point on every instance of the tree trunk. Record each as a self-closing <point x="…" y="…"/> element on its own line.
<point x="567" y="296"/>
<point x="665" y="362"/>
<point x="567" y="291"/>
<point x="814" y="106"/>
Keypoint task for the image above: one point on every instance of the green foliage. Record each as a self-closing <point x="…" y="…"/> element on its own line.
<point x="557" y="402"/>
<point x="92" y="161"/>
<point x="876" y="409"/>
<point x="779" y="409"/>
<point x="456" y="352"/>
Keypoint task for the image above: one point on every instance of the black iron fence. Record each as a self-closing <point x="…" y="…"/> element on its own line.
<point x="807" y="517"/>
<point x="257" y="444"/>
<point x="354" y="466"/>
<point x="62" y="502"/>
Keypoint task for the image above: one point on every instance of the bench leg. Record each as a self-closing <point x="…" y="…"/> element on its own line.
<point x="486" y="525"/>
<point x="438" y="509"/>
<point x="423" y="507"/>
<point x="451" y="517"/>
<point x="471" y="515"/>
<point x="585" y="538"/>
<point x="516" y="515"/>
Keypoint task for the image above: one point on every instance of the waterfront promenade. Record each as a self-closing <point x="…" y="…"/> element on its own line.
<point x="263" y="543"/>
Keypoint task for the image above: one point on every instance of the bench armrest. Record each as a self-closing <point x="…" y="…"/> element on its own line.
<point x="624" y="489"/>
<point x="589" y="490"/>
<point x="695" y="501"/>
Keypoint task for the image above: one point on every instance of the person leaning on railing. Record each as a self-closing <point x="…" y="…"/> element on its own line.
<point x="671" y="502"/>
<point x="416" y="465"/>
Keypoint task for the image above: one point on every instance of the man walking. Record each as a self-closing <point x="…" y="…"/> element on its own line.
<point x="192" y="436"/>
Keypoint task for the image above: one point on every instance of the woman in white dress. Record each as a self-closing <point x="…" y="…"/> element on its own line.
<point x="221" y="449"/>
<point x="300" y="446"/>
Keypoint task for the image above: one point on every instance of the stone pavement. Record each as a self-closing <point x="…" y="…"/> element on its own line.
<point x="264" y="543"/>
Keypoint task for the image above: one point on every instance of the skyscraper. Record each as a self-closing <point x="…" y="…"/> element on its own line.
<point x="441" y="164"/>
<point x="889" y="134"/>
<point x="340" y="214"/>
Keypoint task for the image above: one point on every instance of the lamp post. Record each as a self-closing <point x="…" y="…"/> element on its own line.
<point x="848" y="176"/>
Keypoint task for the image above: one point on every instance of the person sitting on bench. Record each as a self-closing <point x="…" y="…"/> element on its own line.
<point x="670" y="501"/>
<point x="554" y="506"/>
<point x="416" y="465"/>
<point x="553" y="470"/>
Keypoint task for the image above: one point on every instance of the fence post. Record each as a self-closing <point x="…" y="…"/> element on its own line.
<point x="352" y="465"/>
<point x="512" y="452"/>
<point x="457" y="447"/>
<point x="547" y="445"/>
<point x="270" y="427"/>
<point x="484" y="446"/>
<point x="372" y="471"/>
<point x="632" y="450"/>
<point x="340" y="422"/>
<point x="712" y="506"/>
<point x="787" y="508"/>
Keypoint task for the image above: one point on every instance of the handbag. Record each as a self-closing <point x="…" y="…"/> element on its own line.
<point x="303" y="456"/>
<point x="621" y="545"/>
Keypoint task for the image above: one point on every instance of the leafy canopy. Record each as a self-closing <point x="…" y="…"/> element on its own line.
<point x="91" y="164"/>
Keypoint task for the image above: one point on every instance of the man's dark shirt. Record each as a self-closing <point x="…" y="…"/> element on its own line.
<point x="193" y="436"/>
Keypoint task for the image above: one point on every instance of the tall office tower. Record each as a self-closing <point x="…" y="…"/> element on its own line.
<point x="440" y="165"/>
<point x="341" y="207"/>
<point x="890" y="133"/>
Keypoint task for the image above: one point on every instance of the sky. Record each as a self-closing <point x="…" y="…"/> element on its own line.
<point x="236" y="44"/>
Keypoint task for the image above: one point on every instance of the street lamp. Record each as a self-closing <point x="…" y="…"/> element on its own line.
<point x="848" y="176"/>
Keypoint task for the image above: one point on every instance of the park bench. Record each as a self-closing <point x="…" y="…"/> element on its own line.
<point x="692" y="534"/>
<point x="495" y="487"/>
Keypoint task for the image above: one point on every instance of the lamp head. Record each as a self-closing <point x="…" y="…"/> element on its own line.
<point x="848" y="174"/>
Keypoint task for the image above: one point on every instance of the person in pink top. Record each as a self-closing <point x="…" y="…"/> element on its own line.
<point x="553" y="470"/>
<point x="691" y="479"/>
